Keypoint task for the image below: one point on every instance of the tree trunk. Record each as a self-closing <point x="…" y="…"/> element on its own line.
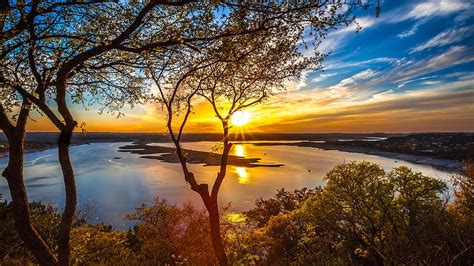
<point x="71" y="195"/>
<point x="22" y="216"/>
<point x="215" y="225"/>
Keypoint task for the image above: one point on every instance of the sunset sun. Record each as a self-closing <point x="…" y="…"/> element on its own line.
<point x="240" y="118"/>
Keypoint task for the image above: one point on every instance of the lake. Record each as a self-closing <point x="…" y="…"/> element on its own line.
<point x="113" y="183"/>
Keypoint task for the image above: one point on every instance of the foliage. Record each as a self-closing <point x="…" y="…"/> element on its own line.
<point x="362" y="216"/>
<point x="46" y="218"/>
<point x="283" y="202"/>
<point x="465" y="193"/>
<point x="11" y="245"/>
<point x="99" y="244"/>
<point x="167" y="234"/>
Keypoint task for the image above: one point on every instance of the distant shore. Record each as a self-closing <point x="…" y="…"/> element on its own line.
<point x="30" y="148"/>
<point x="442" y="164"/>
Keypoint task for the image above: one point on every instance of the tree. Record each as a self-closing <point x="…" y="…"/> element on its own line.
<point x="237" y="72"/>
<point x="377" y="217"/>
<point x="167" y="234"/>
<point x="50" y="50"/>
<point x="465" y="192"/>
<point x="42" y="45"/>
<point x="364" y="215"/>
<point x="283" y="202"/>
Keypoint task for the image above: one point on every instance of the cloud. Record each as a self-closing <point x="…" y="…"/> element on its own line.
<point x="402" y="84"/>
<point x="337" y="39"/>
<point x="411" y="31"/>
<point x="427" y="9"/>
<point x="449" y="36"/>
<point x="436" y="8"/>
<point x="431" y="82"/>
<point x="461" y="75"/>
<point x="423" y="11"/>
<point x="322" y="77"/>
<point x="346" y="89"/>
<point x="303" y="80"/>
<point x="409" y="69"/>
<point x="357" y="77"/>
<point x="297" y="84"/>
<point x="446" y="108"/>
<point x="361" y="63"/>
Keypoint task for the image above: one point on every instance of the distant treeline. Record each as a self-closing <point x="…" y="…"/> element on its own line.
<point x="164" y="137"/>
<point x="453" y="146"/>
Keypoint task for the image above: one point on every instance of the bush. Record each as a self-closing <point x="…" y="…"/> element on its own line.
<point x="283" y="202"/>
<point x="45" y="219"/>
<point x="364" y="215"/>
<point x="98" y="244"/>
<point x="168" y="234"/>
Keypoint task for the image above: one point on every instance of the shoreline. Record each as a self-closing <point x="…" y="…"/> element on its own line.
<point x="441" y="164"/>
<point x="39" y="149"/>
<point x="168" y="155"/>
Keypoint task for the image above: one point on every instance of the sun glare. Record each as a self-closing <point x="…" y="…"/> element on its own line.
<point x="240" y="118"/>
<point x="239" y="150"/>
<point x="242" y="175"/>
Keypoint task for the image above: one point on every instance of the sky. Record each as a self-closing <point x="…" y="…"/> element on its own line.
<point x="409" y="70"/>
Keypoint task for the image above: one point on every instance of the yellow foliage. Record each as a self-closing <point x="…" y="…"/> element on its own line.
<point x="97" y="244"/>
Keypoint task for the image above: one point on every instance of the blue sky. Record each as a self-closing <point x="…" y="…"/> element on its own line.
<point x="411" y="69"/>
<point x="407" y="34"/>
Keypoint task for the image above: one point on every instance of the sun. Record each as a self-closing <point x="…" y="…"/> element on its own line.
<point x="240" y="118"/>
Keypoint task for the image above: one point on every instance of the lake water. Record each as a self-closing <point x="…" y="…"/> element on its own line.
<point x="114" y="182"/>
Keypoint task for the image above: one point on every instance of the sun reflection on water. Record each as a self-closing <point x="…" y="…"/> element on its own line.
<point x="243" y="176"/>
<point x="239" y="150"/>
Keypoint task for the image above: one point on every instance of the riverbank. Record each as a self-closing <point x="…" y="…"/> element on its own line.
<point x="441" y="164"/>
<point x="29" y="148"/>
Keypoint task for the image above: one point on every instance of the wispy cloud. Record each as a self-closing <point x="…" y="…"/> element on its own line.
<point x="337" y="39"/>
<point x="404" y="83"/>
<point x="363" y="75"/>
<point x="412" y="31"/>
<point x="384" y="111"/>
<point x="409" y="69"/>
<point x="449" y="36"/>
<point x="322" y="77"/>
<point x="431" y="82"/>
<point x="337" y="65"/>
<point x="424" y="11"/>
<point x="429" y="9"/>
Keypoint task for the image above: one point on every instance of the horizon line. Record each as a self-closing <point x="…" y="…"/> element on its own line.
<point x="257" y="133"/>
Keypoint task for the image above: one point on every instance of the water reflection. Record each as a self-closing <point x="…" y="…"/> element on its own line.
<point x="242" y="176"/>
<point x="239" y="150"/>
